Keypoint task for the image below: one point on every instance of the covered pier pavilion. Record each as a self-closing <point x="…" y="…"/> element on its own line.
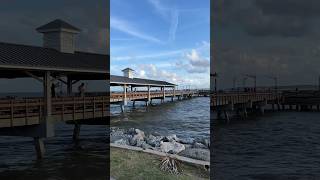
<point x="57" y="61"/>
<point x="138" y="89"/>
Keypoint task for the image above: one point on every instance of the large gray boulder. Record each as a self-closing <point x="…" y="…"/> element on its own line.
<point x="186" y="140"/>
<point x="116" y="135"/>
<point x="199" y="145"/>
<point x="122" y="142"/>
<point x="197" y="153"/>
<point x="154" y="140"/>
<point x="171" y="138"/>
<point x="139" y="136"/>
<point x="171" y="147"/>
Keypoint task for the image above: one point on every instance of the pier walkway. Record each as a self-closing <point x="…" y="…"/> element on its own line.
<point x="28" y="111"/>
<point x="240" y="102"/>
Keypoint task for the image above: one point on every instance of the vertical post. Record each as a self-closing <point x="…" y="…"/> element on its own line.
<point x="76" y="133"/>
<point x="215" y="85"/>
<point x="124" y="100"/>
<point x="45" y="128"/>
<point x="125" y="94"/>
<point x="174" y="93"/>
<point x="69" y="86"/>
<point x="149" y="97"/>
<point x="164" y="92"/>
<point x="319" y="83"/>
<point x="39" y="146"/>
<point x="47" y="94"/>
<point x="26" y="115"/>
<point x="12" y="114"/>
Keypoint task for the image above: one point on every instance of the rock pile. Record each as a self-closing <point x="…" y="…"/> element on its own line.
<point x="188" y="147"/>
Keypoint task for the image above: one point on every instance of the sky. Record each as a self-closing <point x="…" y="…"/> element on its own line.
<point x="19" y="19"/>
<point x="277" y="38"/>
<point x="162" y="40"/>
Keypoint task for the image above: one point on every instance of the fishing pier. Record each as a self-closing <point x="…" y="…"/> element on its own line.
<point x="145" y="90"/>
<point x="56" y="61"/>
<point x="241" y="102"/>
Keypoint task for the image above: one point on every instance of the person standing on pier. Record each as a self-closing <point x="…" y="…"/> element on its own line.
<point x="53" y="90"/>
<point x="81" y="90"/>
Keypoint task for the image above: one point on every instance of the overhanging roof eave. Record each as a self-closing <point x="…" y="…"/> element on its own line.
<point x="141" y="84"/>
<point x="23" y="67"/>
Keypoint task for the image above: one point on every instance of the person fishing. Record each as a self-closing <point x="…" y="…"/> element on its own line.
<point x="81" y="90"/>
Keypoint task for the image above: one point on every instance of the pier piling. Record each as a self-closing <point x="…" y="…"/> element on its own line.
<point x="39" y="146"/>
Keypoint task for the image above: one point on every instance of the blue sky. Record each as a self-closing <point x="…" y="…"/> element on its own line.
<point x="162" y="39"/>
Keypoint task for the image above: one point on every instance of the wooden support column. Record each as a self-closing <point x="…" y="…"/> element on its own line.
<point x="149" y="96"/>
<point x="124" y="100"/>
<point x="125" y="95"/>
<point x="69" y="86"/>
<point x="46" y="127"/>
<point x="226" y="115"/>
<point x="39" y="146"/>
<point x="174" y="93"/>
<point x="47" y="94"/>
<point x="164" y="93"/>
<point x="76" y="132"/>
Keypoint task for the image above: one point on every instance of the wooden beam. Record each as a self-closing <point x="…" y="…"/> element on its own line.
<point x="33" y="76"/>
<point x="63" y="81"/>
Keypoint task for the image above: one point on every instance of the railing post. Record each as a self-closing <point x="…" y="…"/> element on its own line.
<point x="74" y="109"/>
<point x="84" y="108"/>
<point x="26" y="115"/>
<point x="102" y="107"/>
<point x="62" y="109"/>
<point x="94" y="107"/>
<point x="40" y="112"/>
<point x="11" y="110"/>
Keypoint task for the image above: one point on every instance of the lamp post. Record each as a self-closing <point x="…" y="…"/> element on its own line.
<point x="276" y="82"/>
<point x="254" y="77"/>
<point x="215" y="75"/>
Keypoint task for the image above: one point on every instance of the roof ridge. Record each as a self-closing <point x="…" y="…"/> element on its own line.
<point x="26" y="45"/>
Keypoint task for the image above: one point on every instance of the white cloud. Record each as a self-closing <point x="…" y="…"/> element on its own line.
<point x="195" y="59"/>
<point x="126" y="27"/>
<point x="195" y="62"/>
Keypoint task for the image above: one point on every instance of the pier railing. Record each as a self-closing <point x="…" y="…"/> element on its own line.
<point x="221" y="99"/>
<point x="29" y="111"/>
<point x="118" y="96"/>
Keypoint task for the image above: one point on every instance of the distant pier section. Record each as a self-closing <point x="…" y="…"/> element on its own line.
<point x="240" y="103"/>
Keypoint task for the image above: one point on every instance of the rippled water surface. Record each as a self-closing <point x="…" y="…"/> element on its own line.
<point x="185" y="118"/>
<point x="63" y="160"/>
<point x="282" y="145"/>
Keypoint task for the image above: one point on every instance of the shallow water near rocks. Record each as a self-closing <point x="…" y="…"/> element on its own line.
<point x="185" y="118"/>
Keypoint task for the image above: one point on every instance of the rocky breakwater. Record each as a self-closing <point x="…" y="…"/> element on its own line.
<point x="188" y="147"/>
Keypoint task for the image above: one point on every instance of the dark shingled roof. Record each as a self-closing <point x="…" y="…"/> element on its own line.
<point x="38" y="58"/>
<point x="116" y="80"/>
<point x="57" y="24"/>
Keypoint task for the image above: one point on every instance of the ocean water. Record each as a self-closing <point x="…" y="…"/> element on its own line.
<point x="276" y="146"/>
<point x="63" y="159"/>
<point x="185" y="118"/>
